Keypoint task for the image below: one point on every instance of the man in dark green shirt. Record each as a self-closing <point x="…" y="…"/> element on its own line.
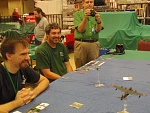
<point x="52" y="57"/>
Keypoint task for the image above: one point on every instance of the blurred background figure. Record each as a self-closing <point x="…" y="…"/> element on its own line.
<point x="41" y="22"/>
<point x="16" y="17"/>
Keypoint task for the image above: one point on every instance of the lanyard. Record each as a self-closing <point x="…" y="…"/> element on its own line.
<point x="15" y="88"/>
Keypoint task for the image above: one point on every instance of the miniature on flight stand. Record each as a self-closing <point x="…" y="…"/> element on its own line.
<point x="99" y="84"/>
<point x="126" y="91"/>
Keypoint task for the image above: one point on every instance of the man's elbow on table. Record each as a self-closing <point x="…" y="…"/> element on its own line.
<point x="50" y="75"/>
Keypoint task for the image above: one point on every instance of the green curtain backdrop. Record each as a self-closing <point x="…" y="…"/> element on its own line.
<point x="122" y="27"/>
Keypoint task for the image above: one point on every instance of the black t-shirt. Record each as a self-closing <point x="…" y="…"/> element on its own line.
<point x="24" y="75"/>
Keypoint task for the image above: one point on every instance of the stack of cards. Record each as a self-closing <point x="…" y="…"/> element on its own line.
<point x="38" y="108"/>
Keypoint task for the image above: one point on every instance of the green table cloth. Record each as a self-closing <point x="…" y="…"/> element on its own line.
<point x="131" y="54"/>
<point x="24" y="31"/>
<point x="4" y="27"/>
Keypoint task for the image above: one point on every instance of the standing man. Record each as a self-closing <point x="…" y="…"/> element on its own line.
<point x="52" y="57"/>
<point x="87" y="24"/>
<point x="15" y="73"/>
<point x="41" y="22"/>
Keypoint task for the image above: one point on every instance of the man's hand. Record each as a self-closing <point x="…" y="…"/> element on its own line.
<point x="25" y="95"/>
<point x="97" y="17"/>
<point x="87" y="13"/>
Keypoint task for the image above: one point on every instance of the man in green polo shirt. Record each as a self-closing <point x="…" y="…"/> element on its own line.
<point x="52" y="57"/>
<point x="87" y="24"/>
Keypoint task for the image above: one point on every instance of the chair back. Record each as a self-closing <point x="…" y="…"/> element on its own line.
<point x="70" y="40"/>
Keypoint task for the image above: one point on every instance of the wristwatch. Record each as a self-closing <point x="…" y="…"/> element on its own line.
<point x="98" y="22"/>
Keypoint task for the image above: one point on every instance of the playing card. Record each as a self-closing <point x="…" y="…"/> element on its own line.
<point x="17" y="112"/>
<point x="76" y="105"/>
<point x="127" y="78"/>
<point x="44" y="104"/>
<point x="64" y="77"/>
<point x="40" y="107"/>
<point x="100" y="63"/>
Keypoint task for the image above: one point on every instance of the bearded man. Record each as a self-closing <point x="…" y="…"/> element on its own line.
<point x="15" y="73"/>
<point x="41" y="22"/>
<point x="52" y="58"/>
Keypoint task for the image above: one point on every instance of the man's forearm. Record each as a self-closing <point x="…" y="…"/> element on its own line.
<point x="50" y="75"/>
<point x="81" y="28"/>
<point x="98" y="27"/>
<point x="44" y="38"/>
<point x="69" y="67"/>
<point x="41" y="86"/>
<point x="11" y="105"/>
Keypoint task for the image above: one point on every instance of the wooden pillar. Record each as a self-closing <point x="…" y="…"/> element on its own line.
<point x="15" y="4"/>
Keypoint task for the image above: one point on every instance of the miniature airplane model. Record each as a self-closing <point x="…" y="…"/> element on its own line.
<point x="127" y="92"/>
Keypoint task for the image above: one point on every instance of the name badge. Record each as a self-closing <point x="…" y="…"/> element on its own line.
<point x="93" y="30"/>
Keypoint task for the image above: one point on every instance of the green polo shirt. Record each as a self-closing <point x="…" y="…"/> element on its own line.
<point x="89" y="32"/>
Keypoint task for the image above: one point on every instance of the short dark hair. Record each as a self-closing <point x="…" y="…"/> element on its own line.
<point x="51" y="26"/>
<point x="9" y="44"/>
